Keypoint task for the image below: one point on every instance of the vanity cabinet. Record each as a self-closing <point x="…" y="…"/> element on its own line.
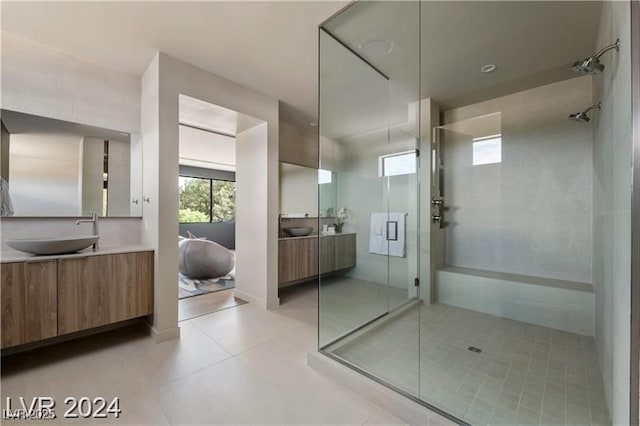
<point x="298" y="257"/>
<point x="100" y="290"/>
<point x="48" y="298"/>
<point x="29" y="302"/>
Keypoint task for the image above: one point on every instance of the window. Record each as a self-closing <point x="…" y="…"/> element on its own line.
<point x="324" y="176"/>
<point x="402" y="163"/>
<point x="205" y="200"/>
<point x="487" y="150"/>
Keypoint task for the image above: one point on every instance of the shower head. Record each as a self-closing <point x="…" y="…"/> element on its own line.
<point x="582" y="116"/>
<point x="593" y="65"/>
<point x="588" y="66"/>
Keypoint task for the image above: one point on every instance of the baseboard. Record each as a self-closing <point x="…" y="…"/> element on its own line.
<point x="164" y="335"/>
<point x="378" y="394"/>
<point x="256" y="301"/>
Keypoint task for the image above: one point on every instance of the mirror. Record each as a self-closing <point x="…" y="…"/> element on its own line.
<point x="58" y="168"/>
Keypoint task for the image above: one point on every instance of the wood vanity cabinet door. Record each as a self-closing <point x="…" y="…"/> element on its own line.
<point x="134" y="282"/>
<point x="41" y="300"/>
<point x="12" y="304"/>
<point x="100" y="290"/>
<point x="345" y="251"/>
<point x="327" y="254"/>
<point x="85" y="293"/>
<point x="298" y="259"/>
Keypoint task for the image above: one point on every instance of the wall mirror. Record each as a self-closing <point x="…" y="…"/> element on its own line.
<point x="58" y="168"/>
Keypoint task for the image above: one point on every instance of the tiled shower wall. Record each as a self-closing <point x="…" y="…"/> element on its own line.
<point x="612" y="157"/>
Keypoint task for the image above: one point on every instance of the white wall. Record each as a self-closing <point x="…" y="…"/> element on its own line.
<point x="612" y="158"/>
<point x="114" y="231"/>
<point x="298" y="189"/>
<point x="252" y="224"/>
<point x="529" y="214"/>
<point x="165" y="79"/>
<point x="41" y="80"/>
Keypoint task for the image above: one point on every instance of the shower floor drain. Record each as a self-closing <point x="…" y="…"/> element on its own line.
<point x="474" y="349"/>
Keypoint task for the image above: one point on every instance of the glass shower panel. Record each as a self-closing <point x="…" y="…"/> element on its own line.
<point x="371" y="119"/>
<point x="353" y="131"/>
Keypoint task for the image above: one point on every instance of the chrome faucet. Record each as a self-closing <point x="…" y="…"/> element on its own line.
<point x="94" y="220"/>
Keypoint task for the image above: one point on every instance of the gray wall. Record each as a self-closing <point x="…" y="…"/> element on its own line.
<point x="222" y="233"/>
<point x="612" y="209"/>
<point x="531" y="213"/>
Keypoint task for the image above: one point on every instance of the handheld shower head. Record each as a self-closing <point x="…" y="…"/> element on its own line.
<point x="593" y="65"/>
<point x="582" y="116"/>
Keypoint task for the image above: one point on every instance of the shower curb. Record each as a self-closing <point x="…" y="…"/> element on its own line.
<point x="395" y="403"/>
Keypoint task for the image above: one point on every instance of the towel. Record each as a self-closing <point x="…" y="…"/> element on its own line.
<point x="381" y="224"/>
<point x="6" y="206"/>
<point x="377" y="239"/>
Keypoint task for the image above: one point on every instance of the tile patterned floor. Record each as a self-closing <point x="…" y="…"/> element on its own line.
<point x="242" y="365"/>
<point x="525" y="374"/>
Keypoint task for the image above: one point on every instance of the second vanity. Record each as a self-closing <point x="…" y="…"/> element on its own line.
<point x="49" y="296"/>
<point x="298" y="257"/>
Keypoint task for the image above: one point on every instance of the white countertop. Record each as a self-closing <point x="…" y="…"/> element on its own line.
<point x="10" y="255"/>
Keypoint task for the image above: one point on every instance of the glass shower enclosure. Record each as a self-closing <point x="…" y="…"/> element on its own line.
<point x="488" y="236"/>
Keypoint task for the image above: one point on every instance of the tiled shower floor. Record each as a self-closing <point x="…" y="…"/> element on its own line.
<point x="525" y="374"/>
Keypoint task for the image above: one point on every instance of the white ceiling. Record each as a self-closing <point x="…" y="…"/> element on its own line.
<point x="272" y="46"/>
<point x="265" y="45"/>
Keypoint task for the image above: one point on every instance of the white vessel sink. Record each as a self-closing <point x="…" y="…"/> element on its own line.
<point x="61" y="245"/>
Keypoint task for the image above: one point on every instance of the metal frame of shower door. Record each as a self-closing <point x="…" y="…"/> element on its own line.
<point x="634" y="388"/>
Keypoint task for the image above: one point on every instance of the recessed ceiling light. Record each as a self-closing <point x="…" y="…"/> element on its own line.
<point x="313" y="123"/>
<point x="488" y="68"/>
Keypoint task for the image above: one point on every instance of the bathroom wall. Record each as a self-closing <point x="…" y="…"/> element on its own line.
<point x="612" y="156"/>
<point x="42" y="80"/>
<point x="114" y="231"/>
<point x="531" y="212"/>
<point x="38" y="79"/>
<point x="298" y="189"/>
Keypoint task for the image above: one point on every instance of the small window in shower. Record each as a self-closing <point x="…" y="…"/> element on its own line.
<point x="324" y="176"/>
<point x="401" y="163"/>
<point x="487" y="150"/>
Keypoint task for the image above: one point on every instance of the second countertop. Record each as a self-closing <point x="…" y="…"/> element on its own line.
<point x="316" y="236"/>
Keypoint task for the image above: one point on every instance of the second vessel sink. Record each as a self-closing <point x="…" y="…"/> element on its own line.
<point x="298" y="231"/>
<point x="61" y="245"/>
